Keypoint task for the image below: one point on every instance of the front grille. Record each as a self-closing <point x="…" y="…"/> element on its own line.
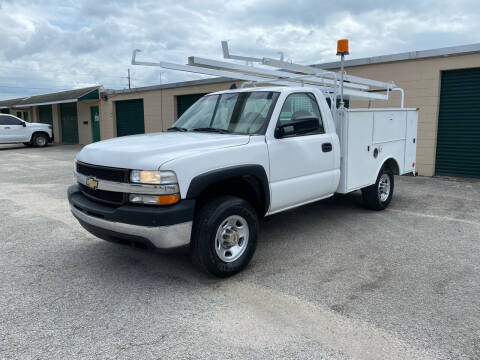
<point x="103" y="172"/>
<point x="111" y="197"/>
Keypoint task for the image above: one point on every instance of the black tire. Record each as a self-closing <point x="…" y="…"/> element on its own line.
<point x="40" y="140"/>
<point x="206" y="224"/>
<point x="372" y="197"/>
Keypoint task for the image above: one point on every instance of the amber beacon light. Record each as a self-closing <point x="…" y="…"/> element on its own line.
<point x="342" y="47"/>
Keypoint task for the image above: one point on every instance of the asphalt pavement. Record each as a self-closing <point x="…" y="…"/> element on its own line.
<point x="330" y="280"/>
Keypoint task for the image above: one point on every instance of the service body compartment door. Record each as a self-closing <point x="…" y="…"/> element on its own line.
<point x="411" y="141"/>
<point x="388" y="126"/>
<point x="360" y="163"/>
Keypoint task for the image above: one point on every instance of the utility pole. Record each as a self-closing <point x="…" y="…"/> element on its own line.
<point x="128" y="78"/>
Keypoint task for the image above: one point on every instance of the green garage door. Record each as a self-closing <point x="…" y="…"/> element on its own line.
<point x="69" y="121"/>
<point x="130" y="117"/>
<point x="458" y="138"/>
<point x="45" y="114"/>
<point x="185" y="101"/>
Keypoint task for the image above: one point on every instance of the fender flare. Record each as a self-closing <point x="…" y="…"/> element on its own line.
<point x="40" y="132"/>
<point x="385" y="161"/>
<point x="200" y="182"/>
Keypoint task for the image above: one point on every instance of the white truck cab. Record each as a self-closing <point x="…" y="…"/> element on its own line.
<point x="231" y="159"/>
<point x="15" y="130"/>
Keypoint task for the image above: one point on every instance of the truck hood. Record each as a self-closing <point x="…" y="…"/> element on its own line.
<point x="150" y="151"/>
<point x="37" y="125"/>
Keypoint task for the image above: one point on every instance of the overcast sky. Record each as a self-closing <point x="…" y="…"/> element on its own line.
<point x="47" y="45"/>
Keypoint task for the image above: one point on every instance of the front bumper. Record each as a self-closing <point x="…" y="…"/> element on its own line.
<point x="165" y="227"/>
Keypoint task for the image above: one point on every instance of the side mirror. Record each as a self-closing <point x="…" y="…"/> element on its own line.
<point x="301" y="125"/>
<point x="24" y="124"/>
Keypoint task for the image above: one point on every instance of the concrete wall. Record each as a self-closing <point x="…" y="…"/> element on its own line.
<point x="35" y="115"/>
<point x="160" y="106"/>
<point x="83" y="117"/>
<point x="57" y="133"/>
<point x="152" y="112"/>
<point x="31" y="115"/>
<point x="421" y="81"/>
<point x="85" y="121"/>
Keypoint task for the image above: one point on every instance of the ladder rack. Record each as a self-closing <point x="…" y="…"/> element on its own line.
<point x="284" y="74"/>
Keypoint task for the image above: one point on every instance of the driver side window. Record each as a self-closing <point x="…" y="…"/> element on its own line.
<point x="300" y="105"/>
<point x="9" y="120"/>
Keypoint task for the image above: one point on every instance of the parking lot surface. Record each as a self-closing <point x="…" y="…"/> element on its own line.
<point x="330" y="280"/>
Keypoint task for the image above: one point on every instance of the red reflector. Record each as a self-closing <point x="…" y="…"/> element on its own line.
<point x="413" y="164"/>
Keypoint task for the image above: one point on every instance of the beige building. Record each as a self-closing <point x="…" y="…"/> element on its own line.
<point x="443" y="83"/>
<point x="155" y="107"/>
<point x="73" y="114"/>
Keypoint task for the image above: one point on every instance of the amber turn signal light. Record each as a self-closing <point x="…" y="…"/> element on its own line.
<point x="168" y="199"/>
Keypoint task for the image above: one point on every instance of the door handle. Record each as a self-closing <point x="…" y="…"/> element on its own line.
<point x="326" y="147"/>
<point x="7" y="127"/>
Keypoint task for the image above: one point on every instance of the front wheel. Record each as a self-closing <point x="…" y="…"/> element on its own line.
<point x="224" y="235"/>
<point x="39" y="140"/>
<point x="379" y="195"/>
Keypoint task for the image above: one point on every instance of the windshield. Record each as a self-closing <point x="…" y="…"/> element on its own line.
<point x="241" y="113"/>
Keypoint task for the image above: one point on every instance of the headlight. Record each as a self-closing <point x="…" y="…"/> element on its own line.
<point x="167" y="180"/>
<point x="153" y="177"/>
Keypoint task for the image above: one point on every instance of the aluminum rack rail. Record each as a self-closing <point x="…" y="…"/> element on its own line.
<point x="284" y="74"/>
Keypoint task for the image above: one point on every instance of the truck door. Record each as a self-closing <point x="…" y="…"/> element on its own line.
<point x="302" y="165"/>
<point x="3" y="131"/>
<point x="11" y="129"/>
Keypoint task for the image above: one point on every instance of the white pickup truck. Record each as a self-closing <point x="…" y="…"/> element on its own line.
<point x="231" y="159"/>
<point x="14" y="130"/>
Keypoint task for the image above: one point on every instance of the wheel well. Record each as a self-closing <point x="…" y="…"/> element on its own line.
<point x="39" y="132"/>
<point x="247" y="187"/>
<point x="392" y="165"/>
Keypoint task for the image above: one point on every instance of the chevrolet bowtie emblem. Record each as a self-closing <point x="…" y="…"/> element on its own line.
<point x="92" y="183"/>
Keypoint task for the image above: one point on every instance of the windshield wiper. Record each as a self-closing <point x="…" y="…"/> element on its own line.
<point x="211" y="129"/>
<point x="176" y="128"/>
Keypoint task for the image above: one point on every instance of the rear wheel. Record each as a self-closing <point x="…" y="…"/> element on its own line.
<point x="224" y="235"/>
<point x="39" y="140"/>
<point x="379" y="195"/>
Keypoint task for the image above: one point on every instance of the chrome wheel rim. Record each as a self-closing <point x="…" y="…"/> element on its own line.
<point x="384" y="187"/>
<point x="41" y="141"/>
<point x="232" y="238"/>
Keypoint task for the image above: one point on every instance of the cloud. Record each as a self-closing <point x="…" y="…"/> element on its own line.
<point x="62" y="45"/>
